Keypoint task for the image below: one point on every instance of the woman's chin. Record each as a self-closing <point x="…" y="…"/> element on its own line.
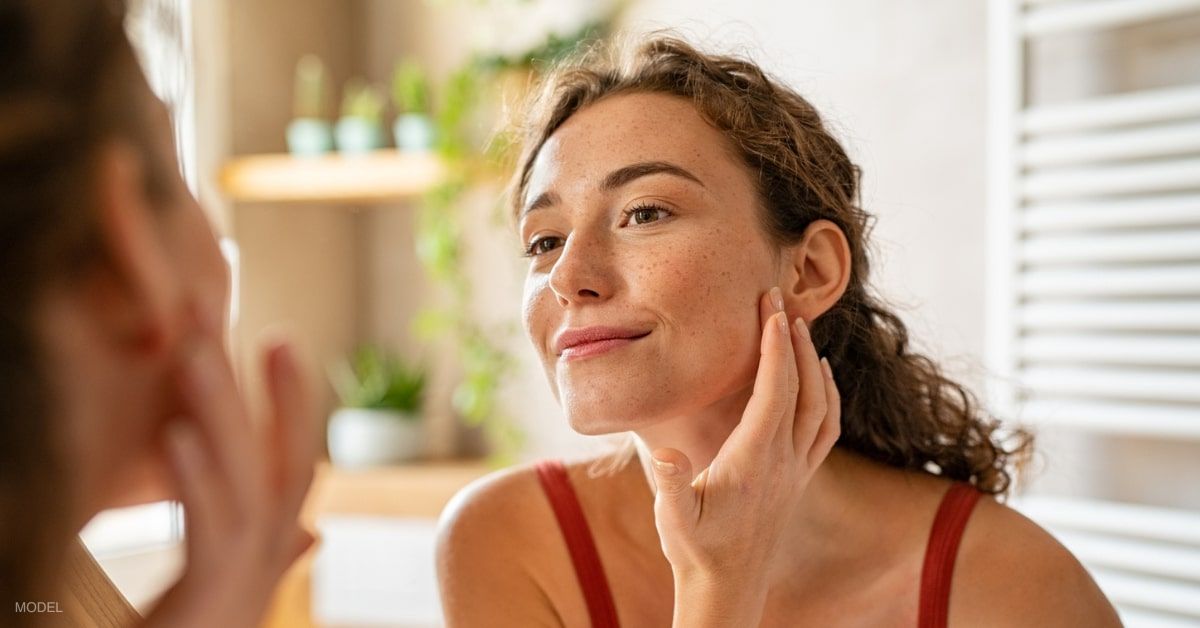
<point x="590" y="427"/>
<point x="603" y="421"/>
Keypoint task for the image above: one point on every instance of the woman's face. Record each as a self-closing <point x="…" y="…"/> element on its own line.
<point x="645" y="238"/>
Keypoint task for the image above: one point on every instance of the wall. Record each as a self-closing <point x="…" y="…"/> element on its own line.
<point x="283" y="284"/>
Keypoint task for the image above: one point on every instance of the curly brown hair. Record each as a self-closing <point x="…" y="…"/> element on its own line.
<point x="898" y="406"/>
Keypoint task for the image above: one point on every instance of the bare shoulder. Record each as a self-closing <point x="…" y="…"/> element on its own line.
<point x="505" y="501"/>
<point x="1012" y="572"/>
<point x="501" y="558"/>
<point x="489" y="571"/>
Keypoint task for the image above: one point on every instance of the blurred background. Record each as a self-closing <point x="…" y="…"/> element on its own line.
<point x="1034" y="166"/>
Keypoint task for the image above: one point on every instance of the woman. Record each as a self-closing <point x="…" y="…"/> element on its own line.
<point x="679" y="210"/>
<point x="114" y="380"/>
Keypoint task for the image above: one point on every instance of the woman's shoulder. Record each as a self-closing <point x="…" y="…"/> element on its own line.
<point x="508" y="503"/>
<point x="514" y="498"/>
<point x="1010" y="571"/>
<point x="489" y="569"/>
<point x="501" y="559"/>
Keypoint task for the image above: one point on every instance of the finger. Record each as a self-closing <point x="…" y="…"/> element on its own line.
<point x="773" y="302"/>
<point x="831" y="427"/>
<point x="211" y="397"/>
<point x="676" y="505"/>
<point x="198" y="486"/>
<point x="292" y="430"/>
<point x="305" y="540"/>
<point x="811" y="404"/>
<point x="768" y="304"/>
<point x="774" y="397"/>
<point x="299" y="543"/>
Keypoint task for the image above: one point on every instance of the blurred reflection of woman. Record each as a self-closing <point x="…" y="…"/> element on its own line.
<point x="694" y="245"/>
<point x="115" y="386"/>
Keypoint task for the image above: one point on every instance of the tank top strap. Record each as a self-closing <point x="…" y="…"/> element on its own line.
<point x="941" y="551"/>
<point x="580" y="543"/>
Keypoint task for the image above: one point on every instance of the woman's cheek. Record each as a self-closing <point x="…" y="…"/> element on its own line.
<point x="534" y="312"/>
<point x="537" y="316"/>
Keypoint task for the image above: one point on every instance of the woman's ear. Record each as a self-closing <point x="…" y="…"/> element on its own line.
<point x="134" y="289"/>
<point x="818" y="268"/>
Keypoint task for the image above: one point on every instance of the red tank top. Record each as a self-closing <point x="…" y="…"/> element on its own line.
<point x="936" y="573"/>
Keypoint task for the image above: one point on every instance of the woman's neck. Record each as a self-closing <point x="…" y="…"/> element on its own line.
<point x="830" y="522"/>
<point x="698" y="434"/>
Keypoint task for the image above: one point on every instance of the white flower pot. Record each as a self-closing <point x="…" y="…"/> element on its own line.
<point x="309" y="137"/>
<point x="413" y="132"/>
<point x="359" y="437"/>
<point x="357" y="136"/>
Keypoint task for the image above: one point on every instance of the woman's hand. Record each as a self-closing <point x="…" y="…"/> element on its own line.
<point x="722" y="528"/>
<point x="241" y="482"/>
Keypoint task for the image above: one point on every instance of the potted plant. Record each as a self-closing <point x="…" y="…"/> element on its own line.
<point x="309" y="133"/>
<point x="379" y="418"/>
<point x="360" y="129"/>
<point x="413" y="127"/>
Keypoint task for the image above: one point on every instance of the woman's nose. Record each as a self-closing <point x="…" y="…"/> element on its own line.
<point x="583" y="270"/>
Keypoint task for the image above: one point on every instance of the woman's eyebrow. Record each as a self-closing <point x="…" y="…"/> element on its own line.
<point x="618" y="178"/>
<point x="624" y="175"/>
<point x="545" y="199"/>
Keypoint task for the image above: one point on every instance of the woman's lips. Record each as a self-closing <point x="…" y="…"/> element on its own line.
<point x="591" y="349"/>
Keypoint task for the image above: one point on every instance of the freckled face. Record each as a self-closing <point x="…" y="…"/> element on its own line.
<point x="640" y="217"/>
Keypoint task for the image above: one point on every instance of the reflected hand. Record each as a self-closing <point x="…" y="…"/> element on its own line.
<point x="242" y="484"/>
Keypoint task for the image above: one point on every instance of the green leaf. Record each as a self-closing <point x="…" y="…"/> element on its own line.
<point x="372" y="378"/>
<point x="430" y="323"/>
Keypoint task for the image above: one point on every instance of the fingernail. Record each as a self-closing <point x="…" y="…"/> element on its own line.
<point x="783" y="326"/>
<point x="825" y="367"/>
<point x="802" y="327"/>
<point x="664" y="467"/>
<point x="777" y="298"/>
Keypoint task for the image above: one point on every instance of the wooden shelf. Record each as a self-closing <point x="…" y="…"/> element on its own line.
<point x="378" y="177"/>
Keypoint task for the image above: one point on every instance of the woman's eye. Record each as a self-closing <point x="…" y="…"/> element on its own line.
<point x="647" y="213"/>
<point x="541" y="245"/>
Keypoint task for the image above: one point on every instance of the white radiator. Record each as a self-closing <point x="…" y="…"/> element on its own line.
<point x="1094" y="289"/>
<point x="1146" y="559"/>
